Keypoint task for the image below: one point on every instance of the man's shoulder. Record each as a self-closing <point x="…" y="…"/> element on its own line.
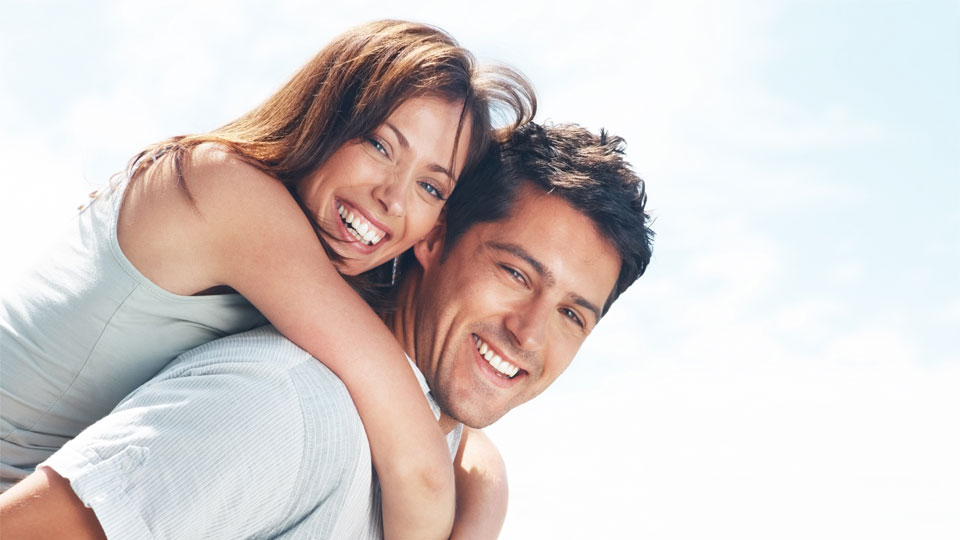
<point x="272" y="436"/>
<point x="334" y="470"/>
<point x="264" y="356"/>
<point x="260" y="346"/>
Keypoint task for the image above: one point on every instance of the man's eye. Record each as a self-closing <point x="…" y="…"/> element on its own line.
<point x="572" y="315"/>
<point x="378" y="146"/>
<point x="432" y="191"/>
<point x="514" y="274"/>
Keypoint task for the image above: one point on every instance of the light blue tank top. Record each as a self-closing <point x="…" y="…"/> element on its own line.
<point x="84" y="329"/>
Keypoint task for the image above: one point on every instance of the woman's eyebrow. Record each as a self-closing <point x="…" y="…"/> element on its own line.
<point x="437" y="168"/>
<point x="403" y="140"/>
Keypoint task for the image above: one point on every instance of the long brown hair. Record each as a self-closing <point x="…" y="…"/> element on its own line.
<point x="349" y="89"/>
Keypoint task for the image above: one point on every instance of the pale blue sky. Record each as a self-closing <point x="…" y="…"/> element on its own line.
<point x="788" y="367"/>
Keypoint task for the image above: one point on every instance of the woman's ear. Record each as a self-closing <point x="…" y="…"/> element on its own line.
<point x="429" y="249"/>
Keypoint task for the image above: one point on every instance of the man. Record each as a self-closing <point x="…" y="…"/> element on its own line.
<point x="249" y="436"/>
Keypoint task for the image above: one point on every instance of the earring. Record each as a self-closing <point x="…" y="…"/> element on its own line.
<point x="393" y="273"/>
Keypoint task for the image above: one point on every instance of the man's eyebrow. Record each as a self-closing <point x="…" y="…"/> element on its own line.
<point x="545" y="274"/>
<point x="434" y="167"/>
<point x="588" y="305"/>
<point x="518" y="251"/>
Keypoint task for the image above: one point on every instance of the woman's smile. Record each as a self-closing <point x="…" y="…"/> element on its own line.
<point x="363" y="229"/>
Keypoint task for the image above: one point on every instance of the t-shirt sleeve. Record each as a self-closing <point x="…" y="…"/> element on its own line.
<point x="214" y="451"/>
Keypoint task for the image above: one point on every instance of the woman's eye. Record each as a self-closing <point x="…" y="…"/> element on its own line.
<point x="378" y="146"/>
<point x="572" y="315"/>
<point x="432" y="190"/>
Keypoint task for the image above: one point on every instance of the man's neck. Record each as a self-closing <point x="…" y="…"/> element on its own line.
<point x="402" y="323"/>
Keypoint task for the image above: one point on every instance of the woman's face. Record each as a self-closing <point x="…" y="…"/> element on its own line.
<point x="377" y="196"/>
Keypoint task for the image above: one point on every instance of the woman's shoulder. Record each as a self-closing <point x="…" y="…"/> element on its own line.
<point x="208" y="168"/>
<point x="181" y="226"/>
<point x="205" y="182"/>
<point x="219" y="181"/>
<point x="212" y="163"/>
<point x="216" y="154"/>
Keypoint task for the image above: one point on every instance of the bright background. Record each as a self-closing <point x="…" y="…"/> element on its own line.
<point x="788" y="367"/>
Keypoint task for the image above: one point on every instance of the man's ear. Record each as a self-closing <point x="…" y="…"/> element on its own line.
<point x="429" y="249"/>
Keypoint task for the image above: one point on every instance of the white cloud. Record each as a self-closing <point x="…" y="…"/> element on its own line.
<point x="846" y="271"/>
<point x="951" y="314"/>
<point x="42" y="190"/>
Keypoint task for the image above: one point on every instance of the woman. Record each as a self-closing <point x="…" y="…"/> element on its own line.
<point x="206" y="232"/>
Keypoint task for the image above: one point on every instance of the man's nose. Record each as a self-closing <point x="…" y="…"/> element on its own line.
<point x="392" y="195"/>
<point x="527" y="324"/>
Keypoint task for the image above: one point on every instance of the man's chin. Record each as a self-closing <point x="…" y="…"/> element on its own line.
<point x="471" y="401"/>
<point x="474" y="417"/>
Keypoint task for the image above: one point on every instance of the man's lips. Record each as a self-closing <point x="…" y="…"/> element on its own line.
<point x="499" y="370"/>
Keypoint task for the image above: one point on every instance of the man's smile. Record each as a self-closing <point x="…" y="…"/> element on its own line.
<point x="504" y="367"/>
<point x="499" y="371"/>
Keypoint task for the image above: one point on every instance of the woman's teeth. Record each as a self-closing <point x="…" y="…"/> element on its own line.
<point x="503" y="367"/>
<point x="360" y="228"/>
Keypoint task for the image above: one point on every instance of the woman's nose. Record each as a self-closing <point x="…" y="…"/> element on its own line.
<point x="392" y="197"/>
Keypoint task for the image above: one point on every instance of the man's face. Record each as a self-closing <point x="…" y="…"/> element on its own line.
<point x="503" y="314"/>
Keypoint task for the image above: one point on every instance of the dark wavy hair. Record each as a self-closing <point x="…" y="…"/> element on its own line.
<point x="566" y="161"/>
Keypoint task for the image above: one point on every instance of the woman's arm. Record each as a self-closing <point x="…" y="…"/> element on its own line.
<point x="481" y="487"/>
<point x="244" y="230"/>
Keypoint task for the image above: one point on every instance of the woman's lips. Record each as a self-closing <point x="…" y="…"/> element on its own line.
<point x="359" y="229"/>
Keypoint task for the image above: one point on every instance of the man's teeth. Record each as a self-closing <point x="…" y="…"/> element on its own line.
<point x="502" y="366"/>
<point x="360" y="228"/>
